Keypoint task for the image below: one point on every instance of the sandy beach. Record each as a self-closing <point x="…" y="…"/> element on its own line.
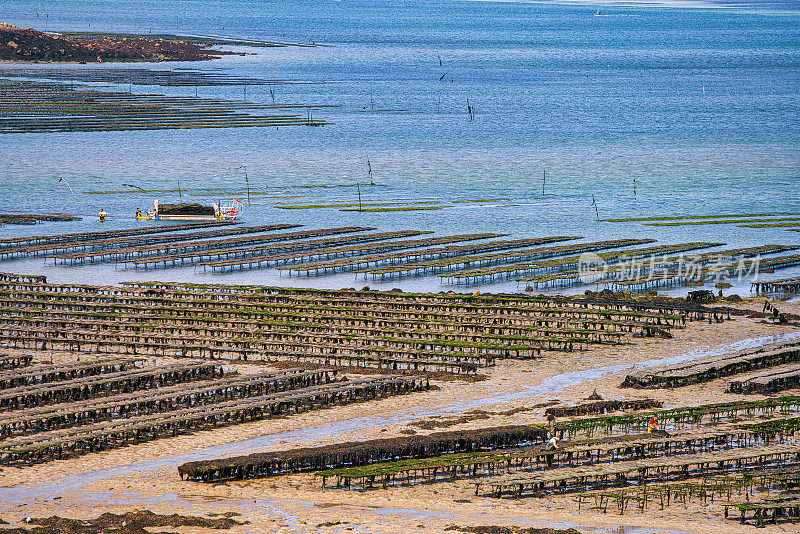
<point x="145" y="476"/>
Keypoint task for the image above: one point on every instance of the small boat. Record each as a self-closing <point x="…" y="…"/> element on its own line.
<point x="223" y="211"/>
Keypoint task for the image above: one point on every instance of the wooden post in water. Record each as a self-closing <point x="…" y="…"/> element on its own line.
<point x="246" y="182"/>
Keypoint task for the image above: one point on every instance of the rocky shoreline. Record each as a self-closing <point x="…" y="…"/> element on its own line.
<point x="29" y="45"/>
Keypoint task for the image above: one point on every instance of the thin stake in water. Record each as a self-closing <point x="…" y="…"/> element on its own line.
<point x="246" y="182"/>
<point x="597" y="213"/>
<point x="61" y="179"/>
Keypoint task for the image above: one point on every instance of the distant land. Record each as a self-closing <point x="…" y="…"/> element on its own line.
<point x="29" y="45"/>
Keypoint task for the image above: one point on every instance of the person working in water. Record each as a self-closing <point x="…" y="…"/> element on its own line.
<point x="652" y="425"/>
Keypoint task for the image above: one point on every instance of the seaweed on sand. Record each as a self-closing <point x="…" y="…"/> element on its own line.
<point x="135" y="522"/>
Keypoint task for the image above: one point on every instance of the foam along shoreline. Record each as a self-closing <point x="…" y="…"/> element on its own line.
<point x="671" y="4"/>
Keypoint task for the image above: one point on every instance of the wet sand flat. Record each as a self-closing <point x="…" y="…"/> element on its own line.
<point x="145" y="476"/>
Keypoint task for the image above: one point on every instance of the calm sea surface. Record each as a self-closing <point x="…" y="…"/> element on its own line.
<point x="700" y="106"/>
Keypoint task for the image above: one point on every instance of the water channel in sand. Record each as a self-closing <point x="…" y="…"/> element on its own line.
<point x="25" y="493"/>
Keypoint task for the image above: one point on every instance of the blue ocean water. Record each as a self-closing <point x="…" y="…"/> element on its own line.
<point x="700" y="105"/>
